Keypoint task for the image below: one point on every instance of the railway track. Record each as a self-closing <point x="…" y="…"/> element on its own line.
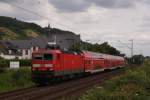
<point x="58" y="91"/>
<point x="5" y="95"/>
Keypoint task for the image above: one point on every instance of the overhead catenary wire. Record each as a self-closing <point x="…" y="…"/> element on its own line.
<point x="131" y="48"/>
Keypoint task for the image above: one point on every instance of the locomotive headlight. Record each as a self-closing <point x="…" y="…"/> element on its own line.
<point x="48" y="65"/>
<point x="36" y="65"/>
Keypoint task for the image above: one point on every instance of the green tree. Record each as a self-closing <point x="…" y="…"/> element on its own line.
<point x="101" y="48"/>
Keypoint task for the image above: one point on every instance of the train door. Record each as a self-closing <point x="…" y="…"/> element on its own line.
<point x="87" y="64"/>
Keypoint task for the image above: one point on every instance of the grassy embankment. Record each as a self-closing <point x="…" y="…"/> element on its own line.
<point x="15" y="79"/>
<point x="133" y="85"/>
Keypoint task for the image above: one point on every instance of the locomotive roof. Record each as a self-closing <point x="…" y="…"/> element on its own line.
<point x="47" y="51"/>
<point x="56" y="51"/>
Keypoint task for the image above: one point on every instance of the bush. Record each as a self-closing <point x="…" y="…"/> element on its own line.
<point x="136" y="59"/>
<point x="25" y="63"/>
<point x="15" y="79"/>
<point x="6" y="63"/>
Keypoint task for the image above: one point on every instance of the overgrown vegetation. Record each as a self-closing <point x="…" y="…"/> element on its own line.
<point x="136" y="59"/>
<point x="4" y="63"/>
<point x="15" y="79"/>
<point x="101" y="48"/>
<point x="134" y="85"/>
<point x="10" y="25"/>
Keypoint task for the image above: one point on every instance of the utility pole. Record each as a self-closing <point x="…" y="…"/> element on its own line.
<point x="131" y="47"/>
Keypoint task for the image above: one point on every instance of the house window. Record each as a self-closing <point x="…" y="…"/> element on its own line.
<point x="26" y="52"/>
<point x="34" y="48"/>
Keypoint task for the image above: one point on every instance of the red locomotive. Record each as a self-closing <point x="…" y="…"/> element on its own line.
<point x="50" y="64"/>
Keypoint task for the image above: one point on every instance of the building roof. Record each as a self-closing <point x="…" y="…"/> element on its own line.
<point x="25" y="44"/>
<point x="4" y="49"/>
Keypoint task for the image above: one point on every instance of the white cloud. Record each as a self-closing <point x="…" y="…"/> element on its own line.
<point x="82" y="5"/>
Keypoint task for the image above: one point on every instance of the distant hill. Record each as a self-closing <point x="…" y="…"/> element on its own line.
<point x="12" y="29"/>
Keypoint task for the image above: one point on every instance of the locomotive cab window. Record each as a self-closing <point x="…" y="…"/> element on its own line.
<point x="42" y="57"/>
<point x="48" y="56"/>
<point x="38" y="57"/>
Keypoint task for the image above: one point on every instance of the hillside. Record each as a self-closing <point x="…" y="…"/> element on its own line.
<point x="12" y="29"/>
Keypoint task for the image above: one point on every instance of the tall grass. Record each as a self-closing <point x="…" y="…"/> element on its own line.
<point x="15" y="79"/>
<point x="133" y="85"/>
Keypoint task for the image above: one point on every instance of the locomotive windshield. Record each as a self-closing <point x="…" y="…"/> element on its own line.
<point x="47" y="57"/>
<point x="42" y="57"/>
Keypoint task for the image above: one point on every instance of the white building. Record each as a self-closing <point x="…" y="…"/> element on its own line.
<point x="21" y="49"/>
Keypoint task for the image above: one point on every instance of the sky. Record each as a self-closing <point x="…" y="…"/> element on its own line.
<point x="97" y="21"/>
